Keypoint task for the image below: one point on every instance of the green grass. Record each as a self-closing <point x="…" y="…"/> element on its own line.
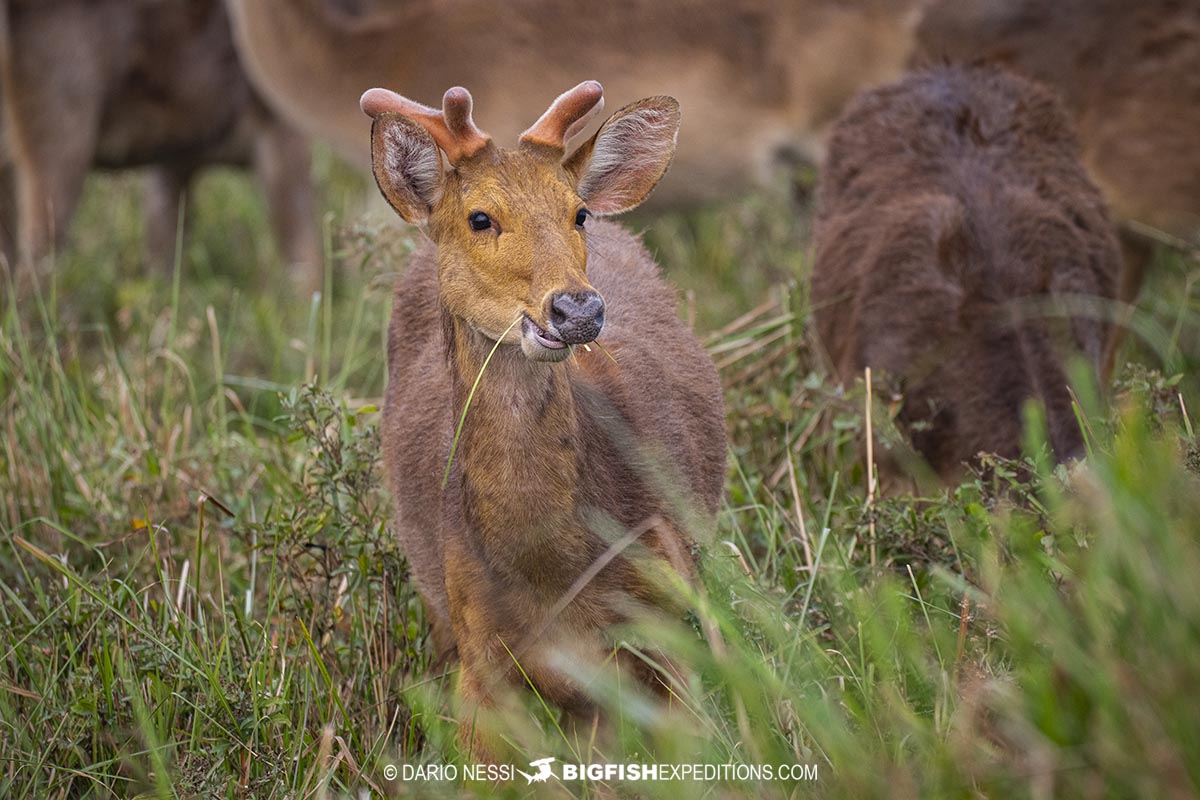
<point x="199" y="596"/>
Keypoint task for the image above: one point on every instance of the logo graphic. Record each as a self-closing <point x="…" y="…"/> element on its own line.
<point x="543" y="774"/>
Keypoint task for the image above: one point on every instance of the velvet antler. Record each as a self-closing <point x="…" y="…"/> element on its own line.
<point x="452" y="127"/>
<point x="567" y="115"/>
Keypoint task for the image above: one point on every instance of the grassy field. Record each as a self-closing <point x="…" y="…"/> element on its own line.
<point x="199" y="596"/>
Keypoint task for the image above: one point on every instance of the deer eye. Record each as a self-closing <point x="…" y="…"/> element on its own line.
<point x="479" y="221"/>
<point x="581" y="217"/>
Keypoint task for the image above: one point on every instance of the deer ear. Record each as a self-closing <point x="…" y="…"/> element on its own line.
<point x="616" y="170"/>
<point x="407" y="166"/>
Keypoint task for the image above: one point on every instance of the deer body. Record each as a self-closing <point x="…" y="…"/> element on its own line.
<point x="122" y="84"/>
<point x="953" y="218"/>
<point x="537" y="454"/>
<point x="1129" y="73"/>
<point x="787" y="66"/>
<point x="559" y="454"/>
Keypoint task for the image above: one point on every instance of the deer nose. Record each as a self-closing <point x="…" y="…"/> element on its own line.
<point x="577" y="317"/>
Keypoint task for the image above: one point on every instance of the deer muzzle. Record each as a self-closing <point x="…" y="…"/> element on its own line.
<point x="576" y="317"/>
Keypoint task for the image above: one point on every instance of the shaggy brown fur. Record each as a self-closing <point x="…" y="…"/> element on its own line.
<point x="955" y="224"/>
<point x="1129" y="72"/>
<point x="556" y="460"/>
<point x="133" y="83"/>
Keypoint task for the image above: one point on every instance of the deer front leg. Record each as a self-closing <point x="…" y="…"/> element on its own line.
<point x="478" y="740"/>
<point x="481" y="670"/>
<point x="8" y="212"/>
<point x="503" y="647"/>
<point x="50" y="169"/>
<point x="1136" y="254"/>
<point x="51" y="116"/>
<point x="162" y="198"/>
<point x="282" y="161"/>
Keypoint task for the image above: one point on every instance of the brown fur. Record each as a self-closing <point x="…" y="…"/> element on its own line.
<point x="952" y="210"/>
<point x="757" y="79"/>
<point x="135" y="83"/>
<point x="1129" y="72"/>
<point x="554" y="457"/>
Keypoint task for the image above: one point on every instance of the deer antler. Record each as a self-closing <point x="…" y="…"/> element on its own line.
<point x="567" y="115"/>
<point x="452" y="127"/>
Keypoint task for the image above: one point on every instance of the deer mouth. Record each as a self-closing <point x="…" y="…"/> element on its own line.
<point x="540" y="344"/>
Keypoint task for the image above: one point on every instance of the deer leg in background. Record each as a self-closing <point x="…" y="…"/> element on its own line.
<point x="162" y="197"/>
<point x="282" y="160"/>
<point x="52" y="114"/>
<point x="8" y="214"/>
<point x="1136" y="254"/>
<point x="49" y="175"/>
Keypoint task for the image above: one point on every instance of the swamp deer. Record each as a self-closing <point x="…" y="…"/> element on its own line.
<point x="959" y="244"/>
<point x="136" y="83"/>
<point x="561" y="441"/>
<point x="788" y="66"/>
<point x="1129" y="73"/>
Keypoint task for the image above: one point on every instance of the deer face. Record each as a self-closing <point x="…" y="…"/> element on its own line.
<point x="511" y="231"/>
<point x="511" y="225"/>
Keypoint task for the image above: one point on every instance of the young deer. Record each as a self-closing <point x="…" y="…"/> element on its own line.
<point x="958" y="242"/>
<point x="561" y="442"/>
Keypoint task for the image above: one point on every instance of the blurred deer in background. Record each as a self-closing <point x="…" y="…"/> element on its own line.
<point x="1129" y="72"/>
<point x="958" y="242"/>
<point x="133" y="83"/>
<point x="505" y="526"/>
<point x="789" y="67"/>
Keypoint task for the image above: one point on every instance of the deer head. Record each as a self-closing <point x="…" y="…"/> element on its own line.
<point x="510" y="225"/>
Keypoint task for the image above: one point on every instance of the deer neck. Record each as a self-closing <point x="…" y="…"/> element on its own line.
<point x="517" y="459"/>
